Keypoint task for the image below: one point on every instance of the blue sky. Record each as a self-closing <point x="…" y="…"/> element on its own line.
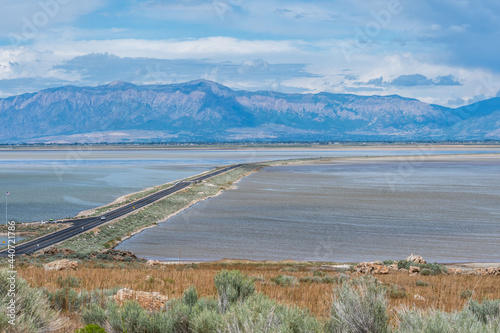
<point x="443" y="52"/>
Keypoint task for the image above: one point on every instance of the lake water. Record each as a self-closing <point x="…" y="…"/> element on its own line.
<point x="447" y="210"/>
<point x="59" y="184"/>
<point x="4" y="240"/>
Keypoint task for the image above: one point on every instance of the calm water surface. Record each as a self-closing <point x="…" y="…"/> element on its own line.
<point x="59" y="184"/>
<point x="447" y="211"/>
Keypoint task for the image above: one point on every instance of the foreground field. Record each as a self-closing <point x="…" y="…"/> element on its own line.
<point x="306" y="285"/>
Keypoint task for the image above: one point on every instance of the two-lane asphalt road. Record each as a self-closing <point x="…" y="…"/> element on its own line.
<point x="83" y="225"/>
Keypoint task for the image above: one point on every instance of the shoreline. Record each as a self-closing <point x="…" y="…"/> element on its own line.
<point x="263" y="146"/>
<point x="398" y="158"/>
<point x="265" y="164"/>
<point x="192" y="203"/>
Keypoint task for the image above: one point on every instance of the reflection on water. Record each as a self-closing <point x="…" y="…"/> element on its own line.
<point x="447" y="211"/>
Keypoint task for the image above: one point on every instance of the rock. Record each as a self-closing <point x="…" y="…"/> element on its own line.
<point x="403" y="270"/>
<point x="123" y="254"/>
<point x="454" y="271"/>
<point x="414" y="269"/>
<point x="60" y="265"/>
<point x="417" y="297"/>
<point x="115" y="255"/>
<point x="417" y="259"/>
<point x="151" y="263"/>
<point x="393" y="267"/>
<point x="371" y="268"/>
<point x="149" y="301"/>
<point x="53" y="251"/>
<point x="486" y="271"/>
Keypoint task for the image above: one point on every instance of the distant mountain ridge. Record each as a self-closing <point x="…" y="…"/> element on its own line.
<point x="205" y="111"/>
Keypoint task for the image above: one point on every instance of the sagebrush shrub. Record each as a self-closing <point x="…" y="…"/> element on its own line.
<point x="232" y="287"/>
<point x="33" y="313"/>
<point x="359" y="306"/>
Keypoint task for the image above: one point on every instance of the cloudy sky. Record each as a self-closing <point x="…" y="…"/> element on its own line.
<point x="439" y="51"/>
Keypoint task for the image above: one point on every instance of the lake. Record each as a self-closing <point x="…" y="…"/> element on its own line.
<point x="445" y="209"/>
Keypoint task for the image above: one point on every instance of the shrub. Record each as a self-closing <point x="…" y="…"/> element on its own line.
<point x="327" y="279"/>
<point x="286" y="280"/>
<point x="260" y="314"/>
<point x="206" y="321"/>
<point x="486" y="310"/>
<point x="420" y="283"/>
<point x="33" y="313"/>
<point x="417" y="321"/>
<point x="397" y="292"/>
<point x="289" y="269"/>
<point x="64" y="299"/>
<point x="94" y="314"/>
<point x="305" y="279"/>
<point x="190" y="297"/>
<point x="434" y="268"/>
<point x="425" y="272"/>
<point x="232" y="287"/>
<point x="91" y="329"/>
<point x="359" y="306"/>
<point x="466" y="294"/>
<point x="319" y="273"/>
<point x="68" y="282"/>
<point x="405" y="264"/>
<point x="388" y="262"/>
<point x="341" y="278"/>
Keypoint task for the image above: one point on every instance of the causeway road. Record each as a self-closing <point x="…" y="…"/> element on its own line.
<point x="79" y="226"/>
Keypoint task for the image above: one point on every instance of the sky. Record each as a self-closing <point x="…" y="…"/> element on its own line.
<point x="439" y="51"/>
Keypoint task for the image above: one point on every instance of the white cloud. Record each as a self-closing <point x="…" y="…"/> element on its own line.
<point x="172" y="49"/>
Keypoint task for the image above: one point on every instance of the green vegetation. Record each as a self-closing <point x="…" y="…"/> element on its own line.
<point x="475" y="317"/>
<point x="420" y="283"/>
<point x="286" y="280"/>
<point x="359" y="305"/>
<point x="466" y="294"/>
<point x="426" y="269"/>
<point x="238" y="309"/>
<point x="232" y="288"/>
<point x="32" y="311"/>
<point x="396" y="292"/>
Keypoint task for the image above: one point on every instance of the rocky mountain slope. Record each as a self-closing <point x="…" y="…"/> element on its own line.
<point x="204" y="111"/>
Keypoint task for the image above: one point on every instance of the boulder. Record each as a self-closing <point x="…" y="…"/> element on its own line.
<point x="149" y="301"/>
<point x="53" y="251"/>
<point x="486" y="271"/>
<point x="414" y="269"/>
<point x="417" y="297"/>
<point x="60" y="265"/>
<point x="454" y="271"/>
<point x="151" y="263"/>
<point x="393" y="267"/>
<point x="417" y="259"/>
<point x="371" y="268"/>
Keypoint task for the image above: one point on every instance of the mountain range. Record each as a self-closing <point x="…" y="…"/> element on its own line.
<point x="205" y="111"/>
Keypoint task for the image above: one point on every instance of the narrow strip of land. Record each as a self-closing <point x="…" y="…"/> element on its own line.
<point x="80" y="226"/>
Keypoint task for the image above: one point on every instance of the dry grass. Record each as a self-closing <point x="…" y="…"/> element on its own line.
<point x="442" y="292"/>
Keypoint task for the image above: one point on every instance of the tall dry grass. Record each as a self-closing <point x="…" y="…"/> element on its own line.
<point x="444" y="292"/>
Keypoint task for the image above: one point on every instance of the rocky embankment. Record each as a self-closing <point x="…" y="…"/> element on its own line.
<point x="416" y="265"/>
